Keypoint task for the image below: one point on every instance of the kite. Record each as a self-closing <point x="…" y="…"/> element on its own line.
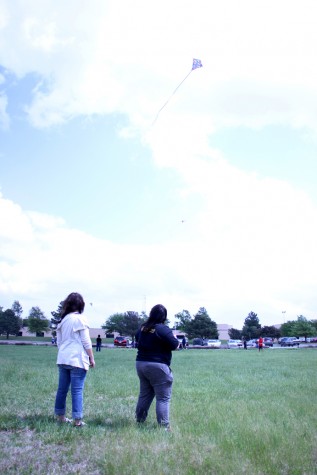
<point x="196" y="64"/>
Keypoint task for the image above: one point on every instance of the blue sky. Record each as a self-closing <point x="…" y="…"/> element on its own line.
<point x="214" y="204"/>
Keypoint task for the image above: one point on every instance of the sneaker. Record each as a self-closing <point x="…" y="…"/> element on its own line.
<point x="80" y="424"/>
<point x="65" y="420"/>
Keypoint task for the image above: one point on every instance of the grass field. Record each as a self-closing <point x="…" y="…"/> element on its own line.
<point x="233" y="411"/>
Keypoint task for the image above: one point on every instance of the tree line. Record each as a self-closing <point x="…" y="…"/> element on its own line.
<point x="11" y="321"/>
<point x="252" y="328"/>
<point x="200" y="325"/>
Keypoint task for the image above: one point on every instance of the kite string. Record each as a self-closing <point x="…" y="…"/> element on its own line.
<point x="171" y="97"/>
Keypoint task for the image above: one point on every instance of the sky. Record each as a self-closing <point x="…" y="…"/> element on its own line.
<point x="116" y="187"/>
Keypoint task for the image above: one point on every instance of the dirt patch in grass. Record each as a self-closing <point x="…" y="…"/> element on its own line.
<point x="23" y="452"/>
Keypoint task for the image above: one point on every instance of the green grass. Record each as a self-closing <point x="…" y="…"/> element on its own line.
<point x="26" y="338"/>
<point x="232" y="411"/>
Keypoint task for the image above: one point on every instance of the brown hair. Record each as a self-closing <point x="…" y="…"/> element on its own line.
<point x="158" y="314"/>
<point x="73" y="303"/>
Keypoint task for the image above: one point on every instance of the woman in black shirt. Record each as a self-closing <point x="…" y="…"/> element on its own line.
<point x="155" y="343"/>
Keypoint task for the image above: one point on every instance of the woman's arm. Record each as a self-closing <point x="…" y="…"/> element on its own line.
<point x="167" y="335"/>
<point x="86" y="342"/>
<point x="91" y="357"/>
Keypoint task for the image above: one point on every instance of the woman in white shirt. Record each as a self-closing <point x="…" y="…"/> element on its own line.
<point x="74" y="358"/>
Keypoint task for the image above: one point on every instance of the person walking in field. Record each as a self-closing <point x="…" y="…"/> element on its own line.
<point x="184" y="343"/>
<point x="155" y="343"/>
<point x="74" y="358"/>
<point x="98" y="343"/>
<point x="260" y="343"/>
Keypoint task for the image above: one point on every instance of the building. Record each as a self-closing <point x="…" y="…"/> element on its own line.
<point x="223" y="330"/>
<point x="94" y="332"/>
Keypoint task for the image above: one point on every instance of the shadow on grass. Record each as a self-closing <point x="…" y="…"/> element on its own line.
<point x="11" y="422"/>
<point x="117" y="422"/>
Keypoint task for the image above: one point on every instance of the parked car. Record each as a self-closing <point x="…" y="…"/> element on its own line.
<point x="235" y="344"/>
<point x="290" y="341"/>
<point x="199" y="342"/>
<point x="283" y="338"/>
<point x="121" y="341"/>
<point x="268" y="341"/>
<point x="214" y="343"/>
<point x="252" y="343"/>
<point x="311" y="339"/>
<point x="180" y="339"/>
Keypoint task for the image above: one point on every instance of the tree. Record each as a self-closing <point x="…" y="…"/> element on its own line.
<point x="270" y="331"/>
<point x="37" y="322"/>
<point x="202" y="326"/>
<point x="132" y="322"/>
<point x="114" y="323"/>
<point x="314" y="324"/>
<point x="144" y="316"/>
<point x="10" y="324"/>
<point x="183" y="320"/>
<point x="251" y="328"/>
<point x="56" y="318"/>
<point x="287" y="328"/>
<point x="57" y="315"/>
<point x="302" y="327"/>
<point x="125" y="324"/>
<point x="235" y="334"/>
<point x="17" y="309"/>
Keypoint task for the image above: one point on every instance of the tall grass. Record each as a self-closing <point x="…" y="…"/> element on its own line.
<point x="233" y="411"/>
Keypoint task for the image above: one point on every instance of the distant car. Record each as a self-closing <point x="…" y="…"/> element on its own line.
<point x="268" y="341"/>
<point x="252" y="343"/>
<point x="199" y="342"/>
<point x="214" y="343"/>
<point x="290" y="341"/>
<point x="180" y="339"/>
<point x="235" y="344"/>
<point x="121" y="341"/>
<point x="311" y="339"/>
<point x="283" y="338"/>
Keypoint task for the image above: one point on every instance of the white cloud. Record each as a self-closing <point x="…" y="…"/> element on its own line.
<point x="249" y="242"/>
<point x="251" y="247"/>
<point x="4" y="117"/>
<point x="111" y="56"/>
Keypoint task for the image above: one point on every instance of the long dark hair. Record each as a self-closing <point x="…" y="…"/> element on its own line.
<point x="73" y="303"/>
<point x="158" y="314"/>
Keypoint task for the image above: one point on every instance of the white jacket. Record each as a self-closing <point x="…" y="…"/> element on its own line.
<point x="72" y="340"/>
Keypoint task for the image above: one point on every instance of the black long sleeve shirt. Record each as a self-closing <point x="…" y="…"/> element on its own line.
<point x="156" y="345"/>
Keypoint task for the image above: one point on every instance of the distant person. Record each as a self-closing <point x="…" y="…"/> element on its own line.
<point x="155" y="343"/>
<point x="245" y="344"/>
<point x="260" y="343"/>
<point x="184" y="343"/>
<point x="98" y="343"/>
<point x="74" y="358"/>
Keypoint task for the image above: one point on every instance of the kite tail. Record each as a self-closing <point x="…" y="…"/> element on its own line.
<point x="171" y="97"/>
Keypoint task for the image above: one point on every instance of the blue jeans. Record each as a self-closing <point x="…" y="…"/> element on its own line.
<point x="74" y="377"/>
<point x="156" y="379"/>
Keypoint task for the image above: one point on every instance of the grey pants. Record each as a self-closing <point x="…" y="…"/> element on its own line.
<point x="156" y="379"/>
